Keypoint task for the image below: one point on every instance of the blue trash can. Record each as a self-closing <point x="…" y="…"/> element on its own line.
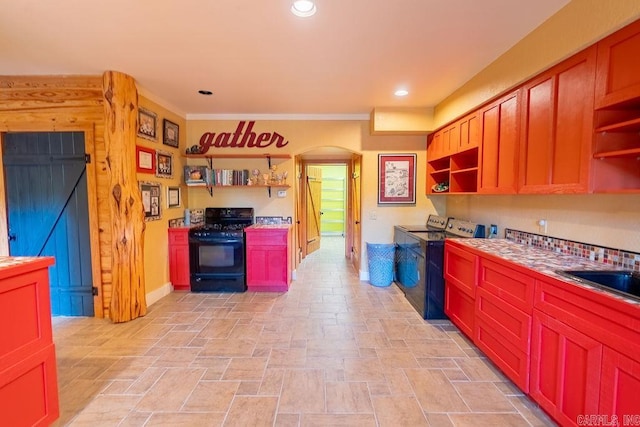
<point x="381" y="258"/>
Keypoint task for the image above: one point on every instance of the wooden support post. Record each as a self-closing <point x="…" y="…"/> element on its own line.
<point x="128" y="299"/>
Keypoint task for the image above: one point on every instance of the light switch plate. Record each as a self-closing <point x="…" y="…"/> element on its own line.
<point x="282" y="193"/>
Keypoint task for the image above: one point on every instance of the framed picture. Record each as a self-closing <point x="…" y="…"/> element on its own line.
<point x="150" y="200"/>
<point x="147" y="124"/>
<point x="145" y="160"/>
<point x="164" y="164"/>
<point x="195" y="175"/>
<point x="173" y="197"/>
<point x="170" y="133"/>
<point x="396" y="178"/>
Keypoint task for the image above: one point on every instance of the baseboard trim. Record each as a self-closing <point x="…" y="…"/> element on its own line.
<point x="157" y="294"/>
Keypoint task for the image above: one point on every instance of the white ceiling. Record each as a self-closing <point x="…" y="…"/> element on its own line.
<point x="258" y="58"/>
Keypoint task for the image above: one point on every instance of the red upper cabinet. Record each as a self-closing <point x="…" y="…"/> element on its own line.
<point x="618" y="75"/>
<point x="617" y="118"/>
<point x="557" y="127"/>
<point x="469" y="129"/>
<point x="499" y="154"/>
<point x="434" y="146"/>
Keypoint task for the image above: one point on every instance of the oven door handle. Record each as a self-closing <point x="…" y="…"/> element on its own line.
<point x="216" y="240"/>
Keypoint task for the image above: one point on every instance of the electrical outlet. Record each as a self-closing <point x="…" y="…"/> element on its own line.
<point x="373" y="215"/>
<point x="542" y="226"/>
<point x="282" y="193"/>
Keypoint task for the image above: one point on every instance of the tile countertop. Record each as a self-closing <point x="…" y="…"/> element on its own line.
<point x="269" y="226"/>
<point x="12" y="266"/>
<point x="542" y="261"/>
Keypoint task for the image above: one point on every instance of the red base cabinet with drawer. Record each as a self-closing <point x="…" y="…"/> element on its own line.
<point x="579" y="347"/>
<point x="28" y="378"/>
<point x="504" y="304"/>
<point x="461" y="274"/>
<point x="179" y="258"/>
<point x="268" y="258"/>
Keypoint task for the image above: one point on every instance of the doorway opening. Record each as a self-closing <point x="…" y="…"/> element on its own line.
<point x="333" y="200"/>
<point x="328" y="202"/>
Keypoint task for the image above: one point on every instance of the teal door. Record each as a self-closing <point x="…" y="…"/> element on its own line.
<point x="47" y="212"/>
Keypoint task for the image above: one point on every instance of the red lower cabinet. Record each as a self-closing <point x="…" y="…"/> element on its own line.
<point x="504" y="305"/>
<point x="461" y="275"/>
<point x="268" y="258"/>
<point x="28" y="378"/>
<point x="565" y="370"/>
<point x="618" y="387"/>
<point x="503" y="332"/>
<point x="459" y="306"/>
<point x="179" y="258"/>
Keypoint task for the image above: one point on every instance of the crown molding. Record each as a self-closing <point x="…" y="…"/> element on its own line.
<point x="327" y="117"/>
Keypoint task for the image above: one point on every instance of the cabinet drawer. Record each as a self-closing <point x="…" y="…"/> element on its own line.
<point x="179" y="236"/>
<point x="29" y="390"/>
<point x="510" y="285"/>
<point x="267" y="237"/>
<point x="511" y="324"/>
<point x="613" y="322"/>
<point x="461" y="268"/>
<point x="509" y="358"/>
<point x="459" y="306"/>
<point x="25" y="316"/>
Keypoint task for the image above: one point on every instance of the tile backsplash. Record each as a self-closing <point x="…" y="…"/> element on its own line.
<point x="614" y="257"/>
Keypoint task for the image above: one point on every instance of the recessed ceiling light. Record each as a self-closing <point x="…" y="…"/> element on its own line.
<point x="401" y="92"/>
<point x="205" y="92"/>
<point x="303" y="8"/>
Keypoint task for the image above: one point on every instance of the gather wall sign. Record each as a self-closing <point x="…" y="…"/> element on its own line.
<point x="240" y="138"/>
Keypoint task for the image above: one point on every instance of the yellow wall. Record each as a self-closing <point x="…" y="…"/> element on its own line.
<point x="308" y="135"/>
<point x="156" y="255"/>
<point x="608" y="220"/>
<point x="576" y="26"/>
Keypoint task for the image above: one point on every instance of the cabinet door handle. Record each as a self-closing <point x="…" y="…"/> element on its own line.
<point x="12" y="237"/>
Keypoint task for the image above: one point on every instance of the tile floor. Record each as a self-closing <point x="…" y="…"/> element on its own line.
<point x="333" y="351"/>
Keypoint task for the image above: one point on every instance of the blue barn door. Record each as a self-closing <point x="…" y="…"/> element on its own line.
<point x="46" y="188"/>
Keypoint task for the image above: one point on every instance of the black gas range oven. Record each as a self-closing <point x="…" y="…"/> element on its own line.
<point x="420" y="261"/>
<point x="217" y="256"/>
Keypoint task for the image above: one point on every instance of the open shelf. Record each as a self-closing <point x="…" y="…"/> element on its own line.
<point x="237" y="156"/>
<point x="631" y="152"/>
<point x="632" y="125"/>
<point x="209" y="158"/>
<point x="467" y="170"/>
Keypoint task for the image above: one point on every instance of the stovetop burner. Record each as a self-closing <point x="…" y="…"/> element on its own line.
<point x="224" y="221"/>
<point x="223" y="227"/>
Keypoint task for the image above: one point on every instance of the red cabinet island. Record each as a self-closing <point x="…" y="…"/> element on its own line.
<point x="268" y="257"/>
<point x="28" y="379"/>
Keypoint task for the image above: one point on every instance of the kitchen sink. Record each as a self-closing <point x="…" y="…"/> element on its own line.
<point x="626" y="283"/>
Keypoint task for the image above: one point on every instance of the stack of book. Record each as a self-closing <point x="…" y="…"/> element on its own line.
<point x="229" y="177"/>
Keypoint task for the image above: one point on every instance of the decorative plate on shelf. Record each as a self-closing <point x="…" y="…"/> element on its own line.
<point x="440" y="188"/>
